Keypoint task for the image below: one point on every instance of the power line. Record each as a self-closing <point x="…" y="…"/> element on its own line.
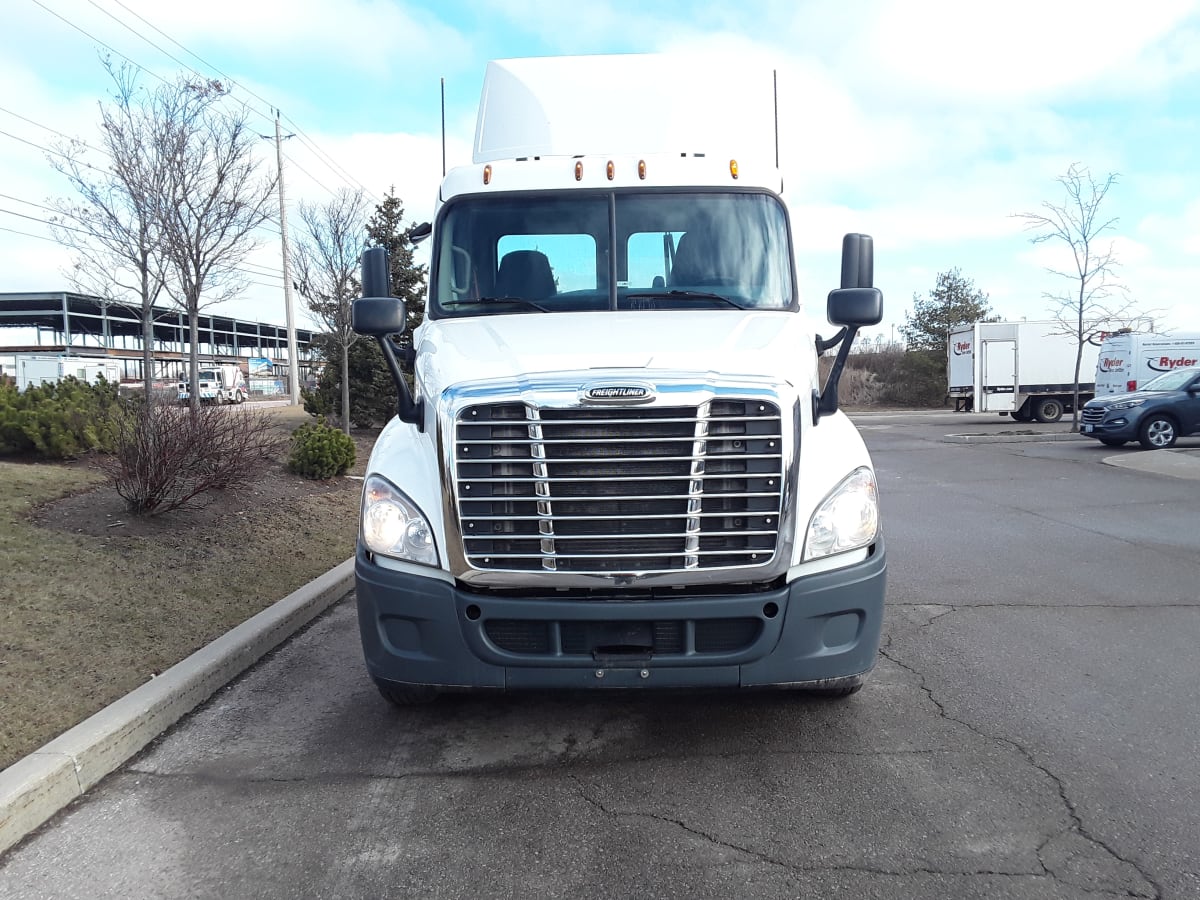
<point x="89" y="234"/>
<point x="62" y="134"/>
<point x="306" y="172"/>
<point x="168" y="54"/>
<point x="92" y="37"/>
<point x="321" y="155"/>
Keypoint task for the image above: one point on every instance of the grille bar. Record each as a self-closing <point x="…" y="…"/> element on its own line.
<point x="696" y="487"/>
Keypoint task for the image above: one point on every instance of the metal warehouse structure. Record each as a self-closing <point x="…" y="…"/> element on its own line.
<point x="64" y="323"/>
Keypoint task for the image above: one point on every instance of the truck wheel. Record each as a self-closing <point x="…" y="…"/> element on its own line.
<point x="239" y="398"/>
<point x="1022" y="413"/>
<point x="1158" y="432"/>
<point x="399" y="694"/>
<point x="1048" y="409"/>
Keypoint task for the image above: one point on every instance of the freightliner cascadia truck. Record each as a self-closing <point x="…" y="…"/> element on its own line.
<point x="615" y="465"/>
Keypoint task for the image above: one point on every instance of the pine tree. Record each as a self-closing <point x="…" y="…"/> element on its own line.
<point x="386" y="229"/>
<point x="953" y="301"/>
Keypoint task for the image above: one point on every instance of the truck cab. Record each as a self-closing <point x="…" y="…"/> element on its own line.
<point x="218" y="384"/>
<point x="616" y="467"/>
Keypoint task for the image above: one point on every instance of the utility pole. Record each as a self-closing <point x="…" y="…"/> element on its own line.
<point x="292" y="351"/>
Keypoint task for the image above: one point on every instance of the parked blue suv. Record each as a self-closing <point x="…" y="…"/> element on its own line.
<point x="1162" y="411"/>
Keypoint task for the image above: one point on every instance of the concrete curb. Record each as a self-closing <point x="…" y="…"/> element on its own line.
<point x="1013" y="438"/>
<point x="34" y="788"/>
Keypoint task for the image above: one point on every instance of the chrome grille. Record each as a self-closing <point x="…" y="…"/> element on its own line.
<point x="1092" y="415"/>
<point x="608" y="490"/>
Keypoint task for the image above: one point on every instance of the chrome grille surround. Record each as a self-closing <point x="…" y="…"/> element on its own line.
<point x="549" y="490"/>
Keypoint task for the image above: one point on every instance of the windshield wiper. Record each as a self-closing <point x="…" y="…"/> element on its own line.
<point x="696" y="295"/>
<point x="520" y="300"/>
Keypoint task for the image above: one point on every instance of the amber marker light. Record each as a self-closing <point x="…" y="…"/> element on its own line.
<point x="579" y="171"/>
<point x="487" y="174"/>
<point x="642" y="169"/>
<point x="733" y="168"/>
<point x="611" y="169"/>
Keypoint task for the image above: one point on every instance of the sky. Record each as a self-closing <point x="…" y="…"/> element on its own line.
<point x="928" y="124"/>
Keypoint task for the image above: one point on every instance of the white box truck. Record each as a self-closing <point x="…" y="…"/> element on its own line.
<point x="1022" y="369"/>
<point x="1127" y="359"/>
<point x="617" y="467"/>
<point x="34" y="370"/>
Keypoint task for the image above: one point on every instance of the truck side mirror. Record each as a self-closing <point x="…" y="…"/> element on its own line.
<point x="855" y="304"/>
<point x="379" y="314"/>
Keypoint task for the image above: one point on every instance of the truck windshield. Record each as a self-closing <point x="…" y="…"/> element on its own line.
<point x="539" y="253"/>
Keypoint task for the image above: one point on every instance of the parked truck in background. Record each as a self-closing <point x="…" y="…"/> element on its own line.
<point x="31" y="370"/>
<point x="218" y="384"/>
<point x="617" y="467"/>
<point x="1128" y="359"/>
<point x="1022" y="369"/>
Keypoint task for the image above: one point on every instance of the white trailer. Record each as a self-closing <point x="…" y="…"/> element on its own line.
<point x="1022" y="369"/>
<point x="32" y="370"/>
<point x="1128" y="360"/>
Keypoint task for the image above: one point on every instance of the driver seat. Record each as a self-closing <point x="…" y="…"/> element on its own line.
<point x="525" y="274"/>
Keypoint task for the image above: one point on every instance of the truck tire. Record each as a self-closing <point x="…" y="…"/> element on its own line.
<point x="402" y="695"/>
<point x="239" y="398"/>
<point x="1021" y="414"/>
<point x="1048" y="409"/>
<point x="1158" y="432"/>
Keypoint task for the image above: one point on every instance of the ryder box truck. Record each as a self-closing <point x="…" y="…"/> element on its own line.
<point x="1022" y="369"/>
<point x="616" y="466"/>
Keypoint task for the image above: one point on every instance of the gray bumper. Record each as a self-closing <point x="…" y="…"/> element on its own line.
<point x="814" y="631"/>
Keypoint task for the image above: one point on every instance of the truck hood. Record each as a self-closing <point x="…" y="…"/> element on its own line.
<point x="511" y="347"/>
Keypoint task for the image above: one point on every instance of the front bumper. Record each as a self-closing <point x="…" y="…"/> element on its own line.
<point x="1119" y="425"/>
<point x="812" y="632"/>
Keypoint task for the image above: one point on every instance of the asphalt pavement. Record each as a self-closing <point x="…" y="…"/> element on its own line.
<point x="1029" y="732"/>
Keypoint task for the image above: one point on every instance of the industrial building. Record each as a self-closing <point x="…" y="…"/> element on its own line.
<point x="64" y="323"/>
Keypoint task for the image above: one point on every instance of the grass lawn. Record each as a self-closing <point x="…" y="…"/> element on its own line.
<point x="94" y="602"/>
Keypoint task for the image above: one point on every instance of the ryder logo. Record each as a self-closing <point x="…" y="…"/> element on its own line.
<point x="1108" y="364"/>
<point x="1166" y="364"/>
<point x="962" y="348"/>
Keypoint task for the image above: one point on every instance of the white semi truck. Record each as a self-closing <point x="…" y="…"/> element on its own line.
<point x="1023" y="369"/>
<point x="618" y="467"/>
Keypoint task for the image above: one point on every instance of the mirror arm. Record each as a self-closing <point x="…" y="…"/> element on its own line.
<point x="824" y="344"/>
<point x="827" y="403"/>
<point x="407" y="409"/>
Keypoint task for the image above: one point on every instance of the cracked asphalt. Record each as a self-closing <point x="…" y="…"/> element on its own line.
<point x="1031" y="731"/>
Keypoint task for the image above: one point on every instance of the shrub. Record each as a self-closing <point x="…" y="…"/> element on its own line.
<point x="59" y="420"/>
<point x="319" y="451"/>
<point x="168" y="457"/>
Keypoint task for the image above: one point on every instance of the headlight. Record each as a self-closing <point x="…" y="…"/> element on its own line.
<point x="393" y="526"/>
<point x="847" y="519"/>
<point x="1126" y="404"/>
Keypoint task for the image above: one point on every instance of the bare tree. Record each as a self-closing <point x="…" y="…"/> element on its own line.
<point x="326" y="255"/>
<point x="1096" y="301"/>
<point x="214" y="199"/>
<point x="111" y="225"/>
